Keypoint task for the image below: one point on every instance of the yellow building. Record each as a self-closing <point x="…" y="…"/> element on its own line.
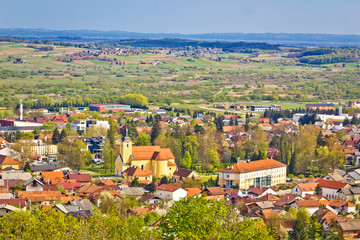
<point x="160" y="161"/>
<point x="143" y="176"/>
<point x="6" y="162"/>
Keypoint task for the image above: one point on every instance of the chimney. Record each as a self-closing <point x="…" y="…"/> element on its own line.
<point x="21" y="110"/>
<point x="340" y="110"/>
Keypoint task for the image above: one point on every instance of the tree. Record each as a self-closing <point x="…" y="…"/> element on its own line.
<point x="155" y="131"/>
<point x="27" y="167"/>
<point x="318" y="190"/>
<point x="315" y="229"/>
<point x="219" y="124"/>
<point x="135" y="100"/>
<point x="299" y="231"/>
<point x="191" y="144"/>
<point x="107" y="202"/>
<point x="186" y="161"/>
<point x="143" y="139"/>
<point x="214" y="159"/>
<point x="63" y="134"/>
<point x="164" y="180"/>
<point x="75" y="155"/>
<point x="56" y="136"/>
<point x="198" y="218"/>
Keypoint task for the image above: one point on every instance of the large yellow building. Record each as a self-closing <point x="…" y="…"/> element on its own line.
<point x="160" y="161"/>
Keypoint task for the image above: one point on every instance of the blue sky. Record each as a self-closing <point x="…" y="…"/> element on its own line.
<point x="185" y="16"/>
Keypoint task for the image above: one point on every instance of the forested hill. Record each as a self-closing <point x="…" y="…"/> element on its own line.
<point x="303" y="39"/>
<point x="172" y="43"/>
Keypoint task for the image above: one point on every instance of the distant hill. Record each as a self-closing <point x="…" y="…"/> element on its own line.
<point x="293" y="39"/>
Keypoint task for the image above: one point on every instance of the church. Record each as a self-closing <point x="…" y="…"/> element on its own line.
<point x="160" y="161"/>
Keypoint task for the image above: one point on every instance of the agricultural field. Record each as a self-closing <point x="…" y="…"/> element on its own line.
<point x="54" y="76"/>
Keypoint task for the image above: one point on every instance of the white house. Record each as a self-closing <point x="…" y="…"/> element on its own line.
<point x="330" y="189"/>
<point x="165" y="191"/>
<point x="78" y="125"/>
<point x="304" y="188"/>
<point x="311" y="205"/>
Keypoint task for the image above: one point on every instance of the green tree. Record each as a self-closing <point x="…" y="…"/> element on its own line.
<point x="315" y="229"/>
<point x="186" y="161"/>
<point x="56" y="136"/>
<point x="155" y="131"/>
<point x="143" y="139"/>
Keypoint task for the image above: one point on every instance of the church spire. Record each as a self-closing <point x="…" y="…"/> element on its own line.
<point x="126" y="137"/>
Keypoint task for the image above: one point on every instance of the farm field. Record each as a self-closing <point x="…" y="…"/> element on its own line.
<point x="52" y="75"/>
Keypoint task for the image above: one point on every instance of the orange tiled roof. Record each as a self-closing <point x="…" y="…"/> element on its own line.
<point x="253" y="166"/>
<point x="5" y="160"/>
<point x="151" y="152"/>
<point x="135" y="171"/>
<point x="331" y="184"/>
<point x="52" y="177"/>
<point x="193" y="191"/>
<point x="308" y="203"/>
<point x="307" y="186"/>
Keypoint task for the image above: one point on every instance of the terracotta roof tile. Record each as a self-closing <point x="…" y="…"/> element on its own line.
<point x="193" y="192"/>
<point x="331" y="184"/>
<point x="253" y="166"/>
<point x="166" y="187"/>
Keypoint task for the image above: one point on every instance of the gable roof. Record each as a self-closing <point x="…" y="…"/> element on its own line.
<point x="307" y="186"/>
<point x="167" y="187"/>
<point x="268" y="197"/>
<point x="253" y="166"/>
<point x="308" y="203"/>
<point x="349" y="225"/>
<point x="151" y="153"/>
<point x="260" y="190"/>
<point x="17" y="202"/>
<point x="79" y="177"/>
<point x="331" y="184"/>
<point x="193" y="192"/>
<point x="50" y="177"/>
<point x="83" y="204"/>
<point x="147" y="197"/>
<point x="29" y="181"/>
<point x="214" y="191"/>
<point x="5" y="160"/>
<point x="182" y="172"/>
<point x="135" y="171"/>
<point x="286" y="199"/>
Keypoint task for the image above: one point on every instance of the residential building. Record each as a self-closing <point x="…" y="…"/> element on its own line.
<point x="311" y="205"/>
<point x="175" y="193"/>
<point x="33" y="185"/>
<point x="109" y="107"/>
<point x="330" y="189"/>
<point x="257" y="192"/>
<point x="255" y="108"/>
<point x="262" y="173"/>
<point x="350" y="194"/>
<point x="160" y="161"/>
<point x="319" y="106"/>
<point x="143" y="176"/>
<point x="301" y="189"/>
<point x="181" y="173"/>
<point x="6" y="162"/>
<point x="352" y="178"/>
<point x="349" y="228"/>
<point x="334" y="177"/>
<point x="79" y="125"/>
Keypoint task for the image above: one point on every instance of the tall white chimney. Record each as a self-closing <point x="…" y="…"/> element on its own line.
<point x="21" y="110"/>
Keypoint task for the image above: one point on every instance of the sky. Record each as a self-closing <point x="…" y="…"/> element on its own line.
<point x="185" y="16"/>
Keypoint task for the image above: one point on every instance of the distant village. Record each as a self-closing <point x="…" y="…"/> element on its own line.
<point x="35" y="175"/>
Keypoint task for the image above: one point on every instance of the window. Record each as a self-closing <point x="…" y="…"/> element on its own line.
<point x="170" y="168"/>
<point x="142" y="166"/>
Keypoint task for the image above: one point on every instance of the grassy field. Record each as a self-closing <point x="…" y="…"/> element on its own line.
<point x="182" y="81"/>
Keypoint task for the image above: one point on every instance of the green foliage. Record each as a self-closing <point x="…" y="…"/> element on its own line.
<point x="198" y="218"/>
<point x="135" y="100"/>
<point x="186" y="161"/>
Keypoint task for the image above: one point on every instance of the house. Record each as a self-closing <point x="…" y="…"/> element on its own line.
<point x="150" y="199"/>
<point x="302" y="189"/>
<point x="5" y="208"/>
<point x="287" y="200"/>
<point x="16" y="202"/>
<point x="81" y="178"/>
<point x="52" y="177"/>
<point x="264" y="173"/>
<point x="213" y="191"/>
<point x="311" y="205"/>
<point x="181" y="173"/>
<point x="341" y="206"/>
<point x="160" y="161"/>
<point x="165" y="191"/>
<point x="69" y="187"/>
<point x="143" y="176"/>
<point x="83" y="204"/>
<point x="330" y="189"/>
<point x="257" y="192"/>
<point x="33" y="185"/>
<point x="350" y="194"/>
<point x="326" y="215"/>
<point x="6" y="162"/>
<point x="36" y="170"/>
<point x="268" y="198"/>
<point x="192" y="192"/>
<point x="349" y="228"/>
<point x="334" y="177"/>
<point x="352" y="178"/>
<point x="257" y="207"/>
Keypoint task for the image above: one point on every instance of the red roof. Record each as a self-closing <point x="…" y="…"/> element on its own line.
<point x="79" y="177"/>
<point x="166" y="187"/>
<point x="260" y="190"/>
<point x="17" y="202"/>
<point x="70" y="185"/>
<point x="331" y="184"/>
